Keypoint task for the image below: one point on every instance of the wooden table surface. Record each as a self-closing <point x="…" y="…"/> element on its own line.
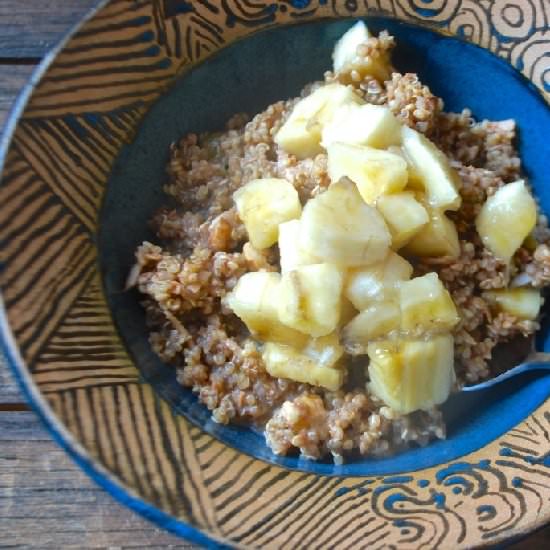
<point x="45" y="500"/>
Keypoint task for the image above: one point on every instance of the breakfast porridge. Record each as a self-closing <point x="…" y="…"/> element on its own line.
<point x="336" y="265"/>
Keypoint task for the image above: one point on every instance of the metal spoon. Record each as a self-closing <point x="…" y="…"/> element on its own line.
<point x="534" y="361"/>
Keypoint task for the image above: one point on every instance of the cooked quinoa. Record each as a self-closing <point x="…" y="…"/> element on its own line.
<point x="205" y="250"/>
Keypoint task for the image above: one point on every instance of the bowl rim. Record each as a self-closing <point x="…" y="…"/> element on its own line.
<point x="60" y="434"/>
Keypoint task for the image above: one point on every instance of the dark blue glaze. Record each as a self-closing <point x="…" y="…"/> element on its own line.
<point x="275" y="65"/>
<point x="439" y="500"/>
<point x="398" y="479"/>
<point x="486" y="512"/>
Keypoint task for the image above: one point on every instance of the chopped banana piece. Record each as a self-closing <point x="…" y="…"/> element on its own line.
<point x="377" y="282"/>
<point x="415" y="181"/>
<point x="432" y="168"/>
<point x="347" y="60"/>
<point x="506" y="219"/>
<point x="340" y="228"/>
<point x="523" y="303"/>
<point x="254" y="300"/>
<point x="410" y="375"/>
<point x="285" y="362"/>
<point x="530" y="242"/>
<point x="347" y="312"/>
<point x="436" y="239"/>
<point x="374" y="172"/>
<point x="345" y="50"/>
<point x="291" y="254"/>
<point x="404" y="216"/>
<point x="426" y="306"/>
<point x="371" y="125"/>
<point x="262" y="205"/>
<point x="373" y="323"/>
<point x="325" y="351"/>
<point x="310" y="299"/>
<point x="300" y="135"/>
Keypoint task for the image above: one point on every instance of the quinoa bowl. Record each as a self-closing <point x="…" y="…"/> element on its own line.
<point x="123" y="411"/>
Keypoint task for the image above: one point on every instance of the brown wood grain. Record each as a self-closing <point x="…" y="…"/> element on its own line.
<point x="12" y="79"/>
<point x="47" y="502"/>
<point x="9" y="391"/>
<point x="29" y="28"/>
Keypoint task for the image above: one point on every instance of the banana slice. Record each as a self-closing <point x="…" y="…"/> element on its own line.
<point x="377" y="282"/>
<point x="325" y="351"/>
<point x="404" y="215"/>
<point x="426" y="306"/>
<point x="345" y="50"/>
<point x="285" y="362"/>
<point x="346" y="58"/>
<point x="255" y="301"/>
<point x="262" y="205"/>
<point x="506" y="219"/>
<point x="300" y="135"/>
<point x="310" y="299"/>
<point x="338" y="227"/>
<point x="410" y="375"/>
<point x="432" y="168"/>
<point x="371" y="125"/>
<point x="523" y="303"/>
<point x="375" y="172"/>
<point x="373" y="323"/>
<point x="437" y="238"/>
<point x="292" y="255"/>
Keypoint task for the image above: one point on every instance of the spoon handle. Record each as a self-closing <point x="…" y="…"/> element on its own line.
<point x="535" y="361"/>
<point x="538" y="357"/>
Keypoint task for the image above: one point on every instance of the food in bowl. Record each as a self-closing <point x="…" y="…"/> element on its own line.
<point x="333" y="268"/>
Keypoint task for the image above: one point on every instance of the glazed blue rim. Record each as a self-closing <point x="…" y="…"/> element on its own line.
<point x="34" y="398"/>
